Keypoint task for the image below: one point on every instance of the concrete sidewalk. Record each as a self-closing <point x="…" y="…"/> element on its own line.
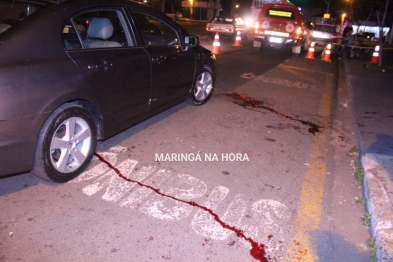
<point x="372" y="108"/>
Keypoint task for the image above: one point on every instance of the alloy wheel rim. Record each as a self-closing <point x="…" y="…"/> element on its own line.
<point x="204" y="86"/>
<point x="70" y="145"/>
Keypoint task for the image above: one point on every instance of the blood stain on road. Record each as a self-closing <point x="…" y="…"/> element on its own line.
<point x="258" y="251"/>
<point x="246" y="101"/>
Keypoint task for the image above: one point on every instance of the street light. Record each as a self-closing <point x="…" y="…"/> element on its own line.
<point x="342" y="21"/>
<point x="350" y="9"/>
<point x="191" y="11"/>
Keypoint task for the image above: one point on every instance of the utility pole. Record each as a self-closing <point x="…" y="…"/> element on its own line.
<point x="328" y="5"/>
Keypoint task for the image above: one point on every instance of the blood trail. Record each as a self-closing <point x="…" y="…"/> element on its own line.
<point x="258" y="251"/>
<point x="246" y="101"/>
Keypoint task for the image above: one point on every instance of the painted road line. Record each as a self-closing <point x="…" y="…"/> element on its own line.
<point x="111" y="182"/>
<point x="97" y="170"/>
<point x="303" y="69"/>
<point x="265" y="222"/>
<point x="180" y="186"/>
<point x="135" y="199"/>
<point x="307" y="223"/>
<point x="118" y="188"/>
<point x="204" y="224"/>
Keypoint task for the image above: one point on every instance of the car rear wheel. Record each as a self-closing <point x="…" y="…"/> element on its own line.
<point x="203" y="87"/>
<point x="66" y="144"/>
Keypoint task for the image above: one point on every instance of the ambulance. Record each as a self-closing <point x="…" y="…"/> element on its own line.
<point x="281" y="25"/>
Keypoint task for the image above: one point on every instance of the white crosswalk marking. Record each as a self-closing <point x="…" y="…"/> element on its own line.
<point x="180" y="186"/>
<point x="135" y="199"/>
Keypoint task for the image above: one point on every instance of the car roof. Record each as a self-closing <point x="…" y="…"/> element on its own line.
<point x="283" y="5"/>
<point x="15" y="40"/>
<point x="225" y="17"/>
<point x="322" y="24"/>
<point x="36" y="2"/>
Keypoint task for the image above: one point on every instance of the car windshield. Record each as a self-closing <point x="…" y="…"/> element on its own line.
<point x="12" y="12"/>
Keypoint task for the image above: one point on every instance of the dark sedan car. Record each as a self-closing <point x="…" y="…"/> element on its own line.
<point x="80" y="71"/>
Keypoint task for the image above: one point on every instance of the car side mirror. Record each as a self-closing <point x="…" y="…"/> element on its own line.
<point x="191" y="41"/>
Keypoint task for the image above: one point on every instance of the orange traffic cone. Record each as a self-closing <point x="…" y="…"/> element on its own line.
<point x="216" y="45"/>
<point x="375" y="57"/>
<point x="326" y="53"/>
<point x="310" y="53"/>
<point x="238" y="40"/>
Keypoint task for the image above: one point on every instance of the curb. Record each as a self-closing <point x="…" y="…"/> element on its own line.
<point x="376" y="185"/>
<point x="379" y="206"/>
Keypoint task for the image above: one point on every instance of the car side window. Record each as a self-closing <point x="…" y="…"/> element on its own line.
<point x="96" y="29"/>
<point x="155" y="32"/>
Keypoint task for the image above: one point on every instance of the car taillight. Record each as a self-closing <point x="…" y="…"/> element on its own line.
<point x="299" y="31"/>
<point x="256" y="27"/>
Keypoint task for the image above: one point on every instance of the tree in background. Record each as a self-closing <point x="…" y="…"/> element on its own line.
<point x="381" y="23"/>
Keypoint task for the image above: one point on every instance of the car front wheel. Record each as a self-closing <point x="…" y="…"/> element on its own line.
<point x="66" y="144"/>
<point x="203" y="87"/>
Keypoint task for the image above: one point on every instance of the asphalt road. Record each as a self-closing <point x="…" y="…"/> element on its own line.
<point x="263" y="167"/>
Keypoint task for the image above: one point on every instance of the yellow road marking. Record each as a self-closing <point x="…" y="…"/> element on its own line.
<point x="307" y="223"/>
<point x="305" y="69"/>
<point x="293" y="70"/>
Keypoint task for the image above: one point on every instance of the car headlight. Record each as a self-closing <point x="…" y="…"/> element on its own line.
<point x="249" y="21"/>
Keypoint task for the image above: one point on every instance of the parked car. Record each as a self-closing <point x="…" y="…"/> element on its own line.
<point x="323" y="34"/>
<point x="368" y="36"/>
<point x="89" y="70"/>
<point x="281" y="25"/>
<point x="175" y="15"/>
<point x="226" y="26"/>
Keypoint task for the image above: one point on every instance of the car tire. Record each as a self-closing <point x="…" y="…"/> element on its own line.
<point x="203" y="87"/>
<point x="66" y="144"/>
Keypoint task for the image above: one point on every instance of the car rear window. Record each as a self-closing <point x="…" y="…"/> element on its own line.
<point x="239" y="21"/>
<point x="280" y="13"/>
<point x="326" y="29"/>
<point x="221" y="20"/>
<point x="12" y="12"/>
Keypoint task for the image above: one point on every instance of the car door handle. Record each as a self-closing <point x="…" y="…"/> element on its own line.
<point x="159" y="59"/>
<point x="100" y="66"/>
<point x="200" y="55"/>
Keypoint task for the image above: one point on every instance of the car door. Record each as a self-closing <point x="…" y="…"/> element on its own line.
<point x="117" y="70"/>
<point x="173" y="66"/>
